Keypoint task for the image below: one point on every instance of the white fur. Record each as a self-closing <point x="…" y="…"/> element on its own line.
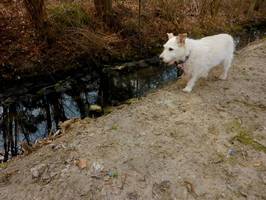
<point x="204" y="54"/>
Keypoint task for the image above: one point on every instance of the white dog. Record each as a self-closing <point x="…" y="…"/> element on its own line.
<point x="198" y="57"/>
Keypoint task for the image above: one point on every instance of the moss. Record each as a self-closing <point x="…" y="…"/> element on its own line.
<point x="131" y="101"/>
<point x="236" y="28"/>
<point x="244" y="136"/>
<point x="246" y="139"/>
<point x="95" y="108"/>
<point x="108" y="109"/>
<point x="3" y="165"/>
<point x="68" y="15"/>
<point x="113" y="174"/>
<point x="114" y="127"/>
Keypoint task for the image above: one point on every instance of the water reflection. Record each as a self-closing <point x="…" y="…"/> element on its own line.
<point x="33" y="115"/>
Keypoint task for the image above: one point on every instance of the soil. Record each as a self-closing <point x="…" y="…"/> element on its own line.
<point x="209" y="144"/>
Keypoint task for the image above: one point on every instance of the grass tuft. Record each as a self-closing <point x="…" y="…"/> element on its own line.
<point x="69" y="15"/>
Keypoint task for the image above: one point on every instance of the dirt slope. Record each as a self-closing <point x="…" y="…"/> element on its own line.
<point x="209" y="144"/>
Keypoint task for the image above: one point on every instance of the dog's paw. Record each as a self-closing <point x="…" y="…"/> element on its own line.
<point x="187" y="89"/>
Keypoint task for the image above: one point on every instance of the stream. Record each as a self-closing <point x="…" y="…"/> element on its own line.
<point x="32" y="110"/>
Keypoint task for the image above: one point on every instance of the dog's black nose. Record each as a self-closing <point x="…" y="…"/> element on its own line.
<point x="161" y="59"/>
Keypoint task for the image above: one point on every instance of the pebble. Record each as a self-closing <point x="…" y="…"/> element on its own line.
<point x="38" y="170"/>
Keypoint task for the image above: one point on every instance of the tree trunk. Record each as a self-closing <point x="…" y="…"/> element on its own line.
<point x="259" y="5"/>
<point x="37" y="14"/>
<point x="48" y="115"/>
<point x="58" y="109"/>
<point x="16" y="135"/>
<point x="11" y="138"/>
<point x="252" y="7"/>
<point x="4" y="130"/>
<point x="104" y="10"/>
<point x="99" y="4"/>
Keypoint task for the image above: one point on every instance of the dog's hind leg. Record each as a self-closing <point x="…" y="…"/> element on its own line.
<point x="226" y="64"/>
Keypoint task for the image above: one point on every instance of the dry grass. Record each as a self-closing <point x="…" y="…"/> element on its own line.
<point x="68" y="15"/>
<point x="77" y="30"/>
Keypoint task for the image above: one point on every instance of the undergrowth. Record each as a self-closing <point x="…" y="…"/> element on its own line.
<point x="68" y="15"/>
<point x="77" y="31"/>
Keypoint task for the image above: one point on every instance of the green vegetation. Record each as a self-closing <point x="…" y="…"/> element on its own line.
<point x="114" y="127"/>
<point x="68" y="15"/>
<point x="3" y="165"/>
<point x="244" y="136"/>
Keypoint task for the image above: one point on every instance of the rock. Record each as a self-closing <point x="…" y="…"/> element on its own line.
<point x="231" y="152"/>
<point x="96" y="169"/>
<point x="38" y="170"/>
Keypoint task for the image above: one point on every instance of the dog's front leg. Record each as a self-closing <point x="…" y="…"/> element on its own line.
<point x="191" y="83"/>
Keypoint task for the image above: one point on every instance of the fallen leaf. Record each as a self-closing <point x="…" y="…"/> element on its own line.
<point x="257" y="164"/>
<point x="81" y="163"/>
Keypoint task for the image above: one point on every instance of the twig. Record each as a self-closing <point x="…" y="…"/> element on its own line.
<point x="123" y="181"/>
<point x="190" y="188"/>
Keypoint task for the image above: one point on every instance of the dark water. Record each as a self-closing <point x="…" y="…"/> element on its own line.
<point x="32" y="110"/>
<point x="250" y="34"/>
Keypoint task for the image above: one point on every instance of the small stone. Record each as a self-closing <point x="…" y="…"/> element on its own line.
<point x="231" y="152"/>
<point x="96" y="168"/>
<point x="37" y="171"/>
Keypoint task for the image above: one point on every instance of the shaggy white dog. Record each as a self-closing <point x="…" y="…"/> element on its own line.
<point x="198" y="57"/>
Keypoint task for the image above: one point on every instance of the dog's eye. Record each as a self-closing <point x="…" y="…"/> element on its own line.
<point x="170" y="49"/>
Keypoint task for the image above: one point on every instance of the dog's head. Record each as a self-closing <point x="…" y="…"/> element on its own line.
<point x="174" y="49"/>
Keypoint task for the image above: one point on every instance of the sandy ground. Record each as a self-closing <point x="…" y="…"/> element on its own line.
<point x="169" y="145"/>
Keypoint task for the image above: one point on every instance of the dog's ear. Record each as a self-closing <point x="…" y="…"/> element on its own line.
<point x="170" y="35"/>
<point x="181" y="39"/>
